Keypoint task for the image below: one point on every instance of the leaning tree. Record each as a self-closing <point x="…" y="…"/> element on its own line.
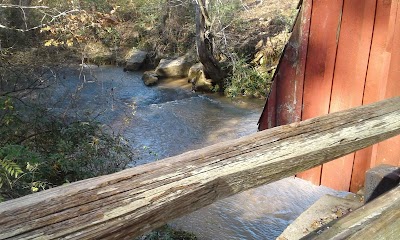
<point x="204" y="43"/>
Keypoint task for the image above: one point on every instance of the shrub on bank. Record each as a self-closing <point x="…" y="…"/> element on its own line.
<point x="247" y="80"/>
<point x="167" y="233"/>
<point x="41" y="148"/>
<point x="39" y="151"/>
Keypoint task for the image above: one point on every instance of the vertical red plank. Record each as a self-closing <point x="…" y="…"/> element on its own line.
<point x="389" y="150"/>
<point x="325" y="23"/>
<point x="349" y="78"/>
<point x="376" y="81"/>
<point x="290" y="76"/>
<point x="284" y="102"/>
<point x="362" y="161"/>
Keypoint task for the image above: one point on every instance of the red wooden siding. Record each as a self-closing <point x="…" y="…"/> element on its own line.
<point x="349" y="78"/>
<point x="290" y="75"/>
<point x="286" y="94"/>
<point x="389" y="151"/>
<point x="353" y="58"/>
<point x="322" y="46"/>
<point x="376" y="82"/>
<point x="268" y="116"/>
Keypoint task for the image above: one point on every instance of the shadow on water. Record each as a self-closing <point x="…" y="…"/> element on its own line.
<point x="169" y="119"/>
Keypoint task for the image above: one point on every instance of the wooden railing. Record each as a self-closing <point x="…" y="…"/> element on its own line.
<point x="131" y="202"/>
<point x="379" y="219"/>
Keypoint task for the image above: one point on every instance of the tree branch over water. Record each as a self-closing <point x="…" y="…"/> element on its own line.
<point x="22" y="7"/>
<point x="39" y="8"/>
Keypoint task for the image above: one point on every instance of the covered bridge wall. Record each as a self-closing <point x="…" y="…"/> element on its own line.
<point x="341" y="54"/>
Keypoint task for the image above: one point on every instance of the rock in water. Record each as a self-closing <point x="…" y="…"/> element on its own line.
<point x="198" y="79"/>
<point x="174" y="67"/>
<point x="149" y="78"/>
<point x="134" y="59"/>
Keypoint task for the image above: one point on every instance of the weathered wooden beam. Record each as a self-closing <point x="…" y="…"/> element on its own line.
<point x="134" y="201"/>
<point x="379" y="219"/>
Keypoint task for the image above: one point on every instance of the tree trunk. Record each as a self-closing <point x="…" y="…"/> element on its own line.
<point x="204" y="44"/>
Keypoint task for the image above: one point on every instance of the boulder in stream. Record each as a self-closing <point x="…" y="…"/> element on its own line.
<point x="149" y="78"/>
<point x="174" y="67"/>
<point x="134" y="59"/>
<point x="198" y="78"/>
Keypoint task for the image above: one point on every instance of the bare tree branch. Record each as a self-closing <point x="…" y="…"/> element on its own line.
<point x="204" y="12"/>
<point x="53" y="18"/>
<point x="22" y="7"/>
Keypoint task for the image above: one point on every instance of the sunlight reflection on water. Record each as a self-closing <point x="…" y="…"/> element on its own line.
<point x="167" y="120"/>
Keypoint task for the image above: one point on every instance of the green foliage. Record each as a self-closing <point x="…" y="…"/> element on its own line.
<point x="83" y="150"/>
<point x="8" y="155"/>
<point x="167" y="233"/>
<point x="16" y="167"/>
<point x="39" y="151"/>
<point x="246" y="80"/>
<point x="8" y="169"/>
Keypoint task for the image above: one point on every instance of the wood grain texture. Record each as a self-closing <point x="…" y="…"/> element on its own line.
<point x="325" y="27"/>
<point x="376" y="84"/>
<point x="290" y="74"/>
<point x="131" y="202"/>
<point x="379" y="219"/>
<point x="349" y="78"/>
<point x="388" y="151"/>
<point x="284" y="103"/>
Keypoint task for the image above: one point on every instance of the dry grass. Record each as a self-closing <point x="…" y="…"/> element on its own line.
<point x="266" y="19"/>
<point x="266" y="8"/>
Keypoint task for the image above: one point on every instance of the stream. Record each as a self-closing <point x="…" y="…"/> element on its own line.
<point x="169" y="119"/>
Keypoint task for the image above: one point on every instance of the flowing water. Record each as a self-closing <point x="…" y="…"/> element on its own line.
<point x="169" y="119"/>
